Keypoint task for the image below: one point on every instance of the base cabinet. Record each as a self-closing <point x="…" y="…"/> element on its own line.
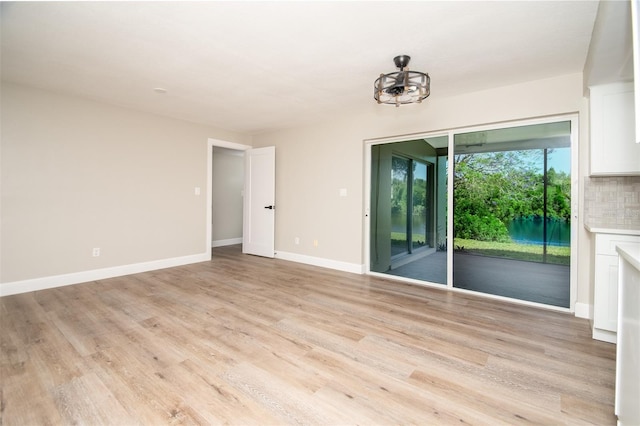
<point x="605" y="296"/>
<point x="627" y="406"/>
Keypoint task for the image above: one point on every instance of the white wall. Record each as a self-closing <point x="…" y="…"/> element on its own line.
<point x="227" y="186"/>
<point x="314" y="162"/>
<point x="78" y="174"/>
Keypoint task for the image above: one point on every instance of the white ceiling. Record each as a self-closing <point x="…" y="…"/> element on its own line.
<point x="258" y="66"/>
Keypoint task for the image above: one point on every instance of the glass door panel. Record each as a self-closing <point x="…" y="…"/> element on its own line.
<point x="408" y="210"/>
<point x="512" y="198"/>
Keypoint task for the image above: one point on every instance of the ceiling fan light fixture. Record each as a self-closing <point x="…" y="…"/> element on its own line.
<point x="402" y="87"/>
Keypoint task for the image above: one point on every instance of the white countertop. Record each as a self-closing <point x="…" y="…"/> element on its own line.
<point x="630" y="252"/>
<point x="610" y="229"/>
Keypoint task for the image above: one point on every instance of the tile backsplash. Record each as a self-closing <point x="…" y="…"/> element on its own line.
<point x="612" y="202"/>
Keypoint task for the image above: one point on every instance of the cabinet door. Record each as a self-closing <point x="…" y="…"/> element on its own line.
<point x="605" y="309"/>
<point x="613" y="147"/>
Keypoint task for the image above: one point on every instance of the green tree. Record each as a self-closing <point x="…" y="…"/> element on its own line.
<point x="491" y="189"/>
<point x="419" y="197"/>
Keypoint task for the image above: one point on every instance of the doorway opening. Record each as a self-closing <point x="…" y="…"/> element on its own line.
<point x="227" y="185"/>
<point x="224" y="187"/>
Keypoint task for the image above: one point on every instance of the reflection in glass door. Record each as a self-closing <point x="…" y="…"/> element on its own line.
<point x="400" y="219"/>
<point x="420" y="206"/>
<point x="408" y="208"/>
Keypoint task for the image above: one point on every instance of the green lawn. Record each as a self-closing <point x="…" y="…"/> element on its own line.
<point x="530" y="252"/>
<point x="401" y="236"/>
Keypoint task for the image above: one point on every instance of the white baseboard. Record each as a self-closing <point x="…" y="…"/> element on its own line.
<point x="319" y="261"/>
<point x="583" y="310"/>
<point x="605" y="335"/>
<point x="24" y="286"/>
<point x="228" y="242"/>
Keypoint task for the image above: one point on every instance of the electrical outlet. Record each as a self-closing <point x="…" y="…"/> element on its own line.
<point x="315" y="243"/>
<point x="297" y="240"/>
<point x="96" y="251"/>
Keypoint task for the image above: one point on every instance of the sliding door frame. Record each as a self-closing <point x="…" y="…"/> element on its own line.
<point x="450" y="133"/>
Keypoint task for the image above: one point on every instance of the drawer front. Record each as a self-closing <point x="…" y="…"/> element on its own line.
<point x="606" y="243"/>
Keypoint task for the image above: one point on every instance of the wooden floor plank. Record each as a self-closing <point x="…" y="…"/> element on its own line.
<point x="249" y="340"/>
<point x="87" y="400"/>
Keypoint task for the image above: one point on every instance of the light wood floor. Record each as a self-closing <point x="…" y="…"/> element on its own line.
<point x="245" y="340"/>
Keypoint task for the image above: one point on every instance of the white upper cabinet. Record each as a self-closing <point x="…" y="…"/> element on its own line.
<point x="613" y="147"/>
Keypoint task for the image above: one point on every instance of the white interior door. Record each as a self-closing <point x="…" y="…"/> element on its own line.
<point x="259" y="202"/>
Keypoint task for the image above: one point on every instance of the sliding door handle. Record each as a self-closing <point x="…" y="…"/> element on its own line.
<point x="270" y="207"/>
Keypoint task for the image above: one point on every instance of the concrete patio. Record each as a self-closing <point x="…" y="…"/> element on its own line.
<point x="532" y="281"/>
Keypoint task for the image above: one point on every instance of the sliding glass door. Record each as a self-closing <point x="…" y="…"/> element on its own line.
<point x="482" y="210"/>
<point x="408" y="209"/>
